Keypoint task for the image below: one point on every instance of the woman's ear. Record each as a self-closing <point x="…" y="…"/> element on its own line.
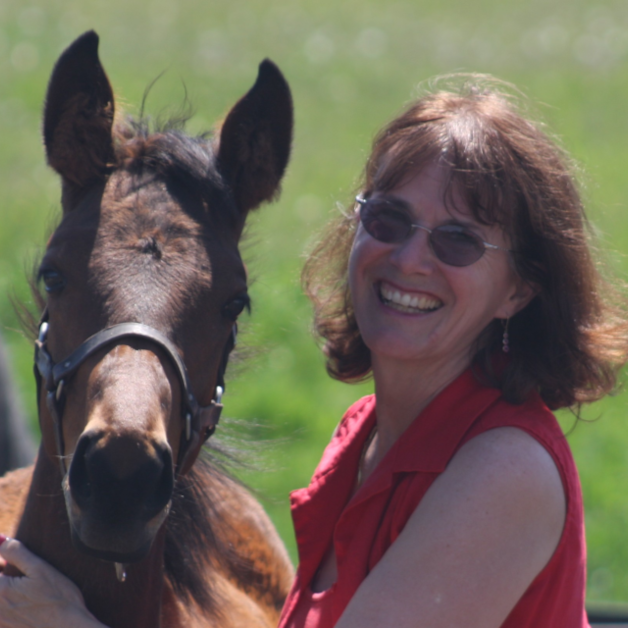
<point x="522" y="293"/>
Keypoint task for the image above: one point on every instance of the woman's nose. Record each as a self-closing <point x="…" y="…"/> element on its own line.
<point x="415" y="254"/>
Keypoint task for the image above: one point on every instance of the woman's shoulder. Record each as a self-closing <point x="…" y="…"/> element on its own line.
<point x="509" y="456"/>
<point x="530" y="444"/>
<point x="509" y="460"/>
<point x="531" y="417"/>
<point x="510" y="473"/>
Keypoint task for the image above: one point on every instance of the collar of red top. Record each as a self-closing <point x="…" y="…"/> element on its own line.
<point x="431" y="439"/>
<point x="427" y="445"/>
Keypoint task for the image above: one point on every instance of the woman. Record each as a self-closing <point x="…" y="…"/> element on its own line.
<point x="462" y="281"/>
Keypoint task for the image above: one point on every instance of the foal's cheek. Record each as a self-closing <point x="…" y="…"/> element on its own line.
<point x="169" y="419"/>
<point x="81" y="406"/>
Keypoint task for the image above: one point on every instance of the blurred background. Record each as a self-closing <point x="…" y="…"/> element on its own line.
<point x="352" y="65"/>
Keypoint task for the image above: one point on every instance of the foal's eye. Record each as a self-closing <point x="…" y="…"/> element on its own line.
<point x="53" y="280"/>
<point x="234" y="308"/>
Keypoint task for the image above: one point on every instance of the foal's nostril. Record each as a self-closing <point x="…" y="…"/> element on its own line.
<point x="122" y="479"/>
<point x="80" y="484"/>
<point x="162" y="492"/>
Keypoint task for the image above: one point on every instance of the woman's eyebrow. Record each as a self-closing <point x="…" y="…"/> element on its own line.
<point x="390" y="197"/>
<point x="472" y="226"/>
<point x="398" y="202"/>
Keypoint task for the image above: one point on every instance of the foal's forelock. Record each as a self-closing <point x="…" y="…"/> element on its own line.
<point x="185" y="162"/>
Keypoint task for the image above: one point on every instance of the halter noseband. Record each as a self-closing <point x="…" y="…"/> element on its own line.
<point x="55" y="375"/>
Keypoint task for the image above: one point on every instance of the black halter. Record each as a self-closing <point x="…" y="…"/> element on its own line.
<point x="55" y="375"/>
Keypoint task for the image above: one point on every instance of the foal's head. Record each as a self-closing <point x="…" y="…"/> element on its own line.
<point x="149" y="235"/>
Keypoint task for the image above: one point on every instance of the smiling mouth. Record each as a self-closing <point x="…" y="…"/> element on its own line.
<point x="406" y="301"/>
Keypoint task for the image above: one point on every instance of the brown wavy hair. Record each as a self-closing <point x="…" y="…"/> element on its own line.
<point x="570" y="340"/>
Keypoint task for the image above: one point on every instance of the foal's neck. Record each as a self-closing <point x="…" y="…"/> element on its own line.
<point x="44" y="528"/>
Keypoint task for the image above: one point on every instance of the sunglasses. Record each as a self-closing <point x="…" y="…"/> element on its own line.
<point x="453" y="245"/>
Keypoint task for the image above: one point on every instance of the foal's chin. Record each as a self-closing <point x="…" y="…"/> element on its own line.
<point x="126" y="541"/>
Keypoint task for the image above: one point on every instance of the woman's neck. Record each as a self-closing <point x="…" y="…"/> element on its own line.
<point x="404" y="389"/>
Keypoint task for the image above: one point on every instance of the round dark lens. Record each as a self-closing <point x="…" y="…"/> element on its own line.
<point x="383" y="223"/>
<point x="456" y="246"/>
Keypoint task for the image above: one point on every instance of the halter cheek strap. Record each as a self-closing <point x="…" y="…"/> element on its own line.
<point x="200" y="421"/>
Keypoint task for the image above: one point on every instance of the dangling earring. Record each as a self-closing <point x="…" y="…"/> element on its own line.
<point x="505" y="340"/>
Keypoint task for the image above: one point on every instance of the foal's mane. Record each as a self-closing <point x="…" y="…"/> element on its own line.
<point x="166" y="151"/>
<point x="190" y="531"/>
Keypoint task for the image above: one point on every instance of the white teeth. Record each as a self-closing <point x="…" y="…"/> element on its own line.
<point x="408" y="302"/>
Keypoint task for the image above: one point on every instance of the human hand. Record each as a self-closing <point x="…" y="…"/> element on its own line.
<point x="42" y="598"/>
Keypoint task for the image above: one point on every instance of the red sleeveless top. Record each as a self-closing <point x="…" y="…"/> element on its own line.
<point x="363" y="528"/>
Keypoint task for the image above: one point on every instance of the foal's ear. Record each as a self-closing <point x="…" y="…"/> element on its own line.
<point x="78" y="115"/>
<point x="255" y="139"/>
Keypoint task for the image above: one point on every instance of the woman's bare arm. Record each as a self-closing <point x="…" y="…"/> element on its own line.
<point x="486" y="527"/>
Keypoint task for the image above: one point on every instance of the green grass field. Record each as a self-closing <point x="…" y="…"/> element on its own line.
<point x="351" y="65"/>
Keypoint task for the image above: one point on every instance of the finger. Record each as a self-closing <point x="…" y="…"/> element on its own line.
<point x="13" y="552"/>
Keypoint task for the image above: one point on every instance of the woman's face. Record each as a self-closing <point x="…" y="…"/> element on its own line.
<point x="411" y="306"/>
